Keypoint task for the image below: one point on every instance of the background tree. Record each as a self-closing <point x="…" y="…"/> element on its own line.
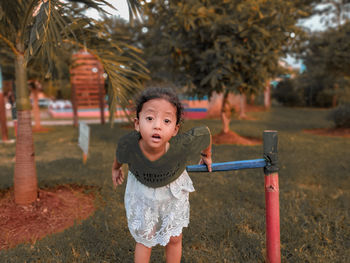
<point x="326" y="57"/>
<point x="224" y="46"/>
<point x="35" y="30"/>
<point x="334" y="12"/>
<point x="288" y="93"/>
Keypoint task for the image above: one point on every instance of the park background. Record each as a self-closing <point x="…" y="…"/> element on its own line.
<point x="228" y="52"/>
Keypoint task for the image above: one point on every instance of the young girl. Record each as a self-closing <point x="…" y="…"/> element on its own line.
<point x="158" y="186"/>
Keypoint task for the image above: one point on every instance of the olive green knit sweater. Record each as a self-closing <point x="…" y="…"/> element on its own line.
<point x="169" y="166"/>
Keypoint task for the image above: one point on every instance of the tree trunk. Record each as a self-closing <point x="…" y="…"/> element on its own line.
<point x="242" y="106"/>
<point x="335" y="95"/>
<point x="225" y="113"/>
<point x="25" y="180"/>
<point x="267" y="96"/>
<point x="252" y="99"/>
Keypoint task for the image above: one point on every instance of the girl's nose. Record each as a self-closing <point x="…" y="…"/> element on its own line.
<point x="157" y="123"/>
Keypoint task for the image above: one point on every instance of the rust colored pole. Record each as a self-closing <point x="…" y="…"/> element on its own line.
<point x="101" y="96"/>
<point x="3" y="121"/>
<point x="273" y="251"/>
<point x="14" y="108"/>
<point x="15" y="127"/>
<point x="36" y="109"/>
<point x="4" y="131"/>
<point x="75" y="106"/>
<point x="73" y="80"/>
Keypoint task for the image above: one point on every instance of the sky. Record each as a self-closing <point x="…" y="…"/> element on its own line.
<point x="120" y="5"/>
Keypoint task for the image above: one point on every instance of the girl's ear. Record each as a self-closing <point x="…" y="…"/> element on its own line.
<point x="137" y="124"/>
<point x="177" y="127"/>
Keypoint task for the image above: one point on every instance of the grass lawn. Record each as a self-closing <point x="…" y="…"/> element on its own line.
<point x="227" y="221"/>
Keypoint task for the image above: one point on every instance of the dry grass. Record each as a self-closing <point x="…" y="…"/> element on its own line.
<point x="227" y="209"/>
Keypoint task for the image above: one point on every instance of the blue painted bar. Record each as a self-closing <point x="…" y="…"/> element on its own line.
<point x="228" y="166"/>
<point x="196" y="109"/>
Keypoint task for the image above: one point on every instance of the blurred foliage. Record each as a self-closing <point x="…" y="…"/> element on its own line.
<point x="341" y="116"/>
<point x="287" y="93"/>
<point x="333" y="49"/>
<point x="6" y="62"/>
<point x="317" y="88"/>
<point x="326" y="57"/>
<point x="217" y="45"/>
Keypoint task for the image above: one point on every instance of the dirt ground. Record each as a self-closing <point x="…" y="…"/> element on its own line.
<point x="233" y="138"/>
<point x="54" y="210"/>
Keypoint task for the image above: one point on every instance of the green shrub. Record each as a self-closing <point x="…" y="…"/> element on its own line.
<point x="341" y="116"/>
<point x="324" y="98"/>
<point x="287" y="94"/>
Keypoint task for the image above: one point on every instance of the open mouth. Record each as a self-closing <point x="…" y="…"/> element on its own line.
<point x="156" y="136"/>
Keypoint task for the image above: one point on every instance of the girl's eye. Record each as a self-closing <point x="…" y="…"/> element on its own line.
<point x="149" y="118"/>
<point x="167" y="121"/>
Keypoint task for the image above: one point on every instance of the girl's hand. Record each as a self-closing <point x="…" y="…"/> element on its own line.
<point x="117" y="177"/>
<point x="117" y="173"/>
<point x="206" y="155"/>
<point x="206" y="159"/>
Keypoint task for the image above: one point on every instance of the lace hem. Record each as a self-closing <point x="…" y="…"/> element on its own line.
<point x="163" y="241"/>
<point x="156" y="214"/>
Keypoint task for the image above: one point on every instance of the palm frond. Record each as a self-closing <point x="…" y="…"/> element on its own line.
<point x="11" y="16"/>
<point x="47" y="26"/>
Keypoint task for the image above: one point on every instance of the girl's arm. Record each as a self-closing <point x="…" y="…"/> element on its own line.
<point x="206" y="155"/>
<point x="117" y="173"/>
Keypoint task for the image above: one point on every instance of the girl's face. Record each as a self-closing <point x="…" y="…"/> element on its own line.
<point x="156" y="123"/>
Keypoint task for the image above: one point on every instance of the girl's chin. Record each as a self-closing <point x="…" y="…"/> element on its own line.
<point x="157" y="141"/>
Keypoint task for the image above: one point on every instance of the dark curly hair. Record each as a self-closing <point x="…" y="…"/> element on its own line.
<point x="160" y="93"/>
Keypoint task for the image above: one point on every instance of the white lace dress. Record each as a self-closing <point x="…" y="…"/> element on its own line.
<point x="156" y="214"/>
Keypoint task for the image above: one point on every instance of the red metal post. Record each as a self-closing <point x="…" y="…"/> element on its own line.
<point x="273" y="252"/>
<point x="272" y="218"/>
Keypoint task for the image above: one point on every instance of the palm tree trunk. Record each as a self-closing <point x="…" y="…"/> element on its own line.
<point x="36" y="109"/>
<point x="25" y="180"/>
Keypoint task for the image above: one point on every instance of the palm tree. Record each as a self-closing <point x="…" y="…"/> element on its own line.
<point x="36" y="29"/>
